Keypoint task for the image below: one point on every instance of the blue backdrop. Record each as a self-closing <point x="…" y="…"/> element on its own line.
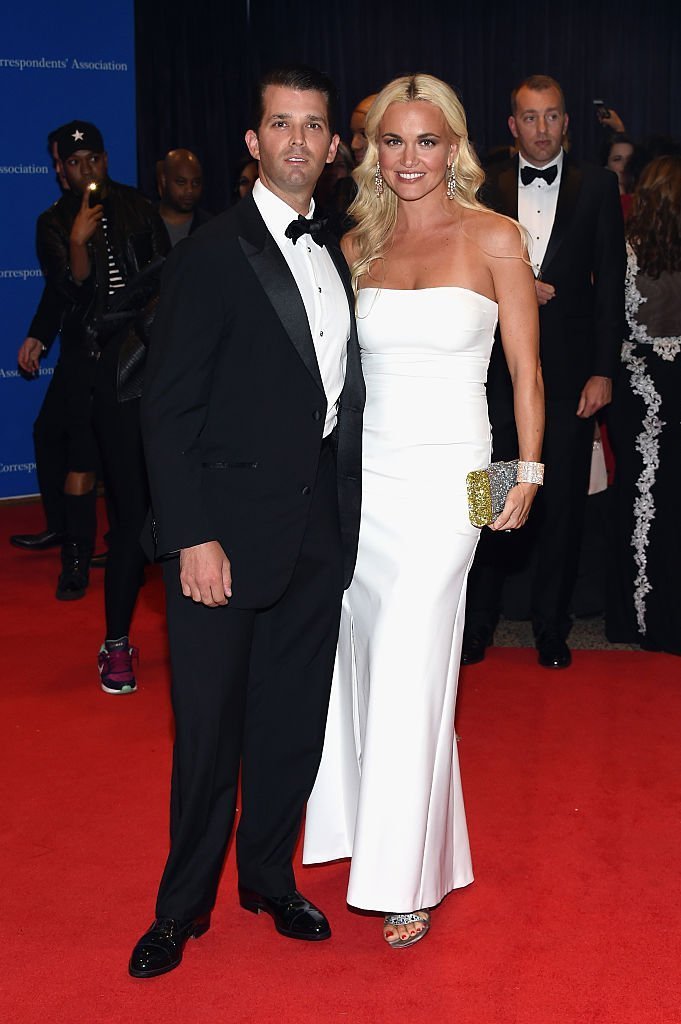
<point x="57" y="63"/>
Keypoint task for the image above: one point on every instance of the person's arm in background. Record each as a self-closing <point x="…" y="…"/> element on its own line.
<point x="613" y="121"/>
<point x="44" y="329"/>
<point x="608" y="270"/>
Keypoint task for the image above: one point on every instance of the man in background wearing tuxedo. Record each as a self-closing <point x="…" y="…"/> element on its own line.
<point x="572" y="214"/>
<point x="252" y="417"/>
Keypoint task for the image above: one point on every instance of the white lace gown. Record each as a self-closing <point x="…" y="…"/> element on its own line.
<point x="388" y="793"/>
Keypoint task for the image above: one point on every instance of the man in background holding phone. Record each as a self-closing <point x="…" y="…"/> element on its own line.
<point x="90" y="242"/>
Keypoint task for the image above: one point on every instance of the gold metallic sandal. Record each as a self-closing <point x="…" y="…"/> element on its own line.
<point x="421" y="916"/>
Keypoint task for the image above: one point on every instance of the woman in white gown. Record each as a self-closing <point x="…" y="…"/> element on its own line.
<point x="434" y="271"/>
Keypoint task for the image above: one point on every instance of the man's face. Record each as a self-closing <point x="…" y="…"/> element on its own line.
<point x="539" y="125"/>
<point x="83" y="168"/>
<point x="182" y="186"/>
<point x="293" y="142"/>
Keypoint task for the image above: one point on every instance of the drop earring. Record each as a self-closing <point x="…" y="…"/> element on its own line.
<point x="451" y="181"/>
<point x="378" y="181"/>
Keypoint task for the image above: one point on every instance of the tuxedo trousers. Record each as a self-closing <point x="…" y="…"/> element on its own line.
<point x="250" y="689"/>
<point x="550" y="542"/>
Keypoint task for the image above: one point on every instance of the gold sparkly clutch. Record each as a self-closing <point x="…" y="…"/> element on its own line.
<point x="488" y="489"/>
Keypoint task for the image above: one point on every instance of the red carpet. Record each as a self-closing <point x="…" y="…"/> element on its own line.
<point x="572" y="784"/>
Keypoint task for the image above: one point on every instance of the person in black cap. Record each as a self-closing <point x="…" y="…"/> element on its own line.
<point x="100" y="247"/>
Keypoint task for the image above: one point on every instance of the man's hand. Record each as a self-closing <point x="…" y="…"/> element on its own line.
<point x="29" y="355"/>
<point x="205" y="574"/>
<point x="86" y="220"/>
<point x="596" y="393"/>
<point x="545" y="292"/>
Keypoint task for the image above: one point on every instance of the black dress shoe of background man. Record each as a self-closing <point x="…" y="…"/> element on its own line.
<point x="160" y="949"/>
<point x="553" y="652"/>
<point x="293" y="915"/>
<point x="475" y="644"/>
<point x="37" y="541"/>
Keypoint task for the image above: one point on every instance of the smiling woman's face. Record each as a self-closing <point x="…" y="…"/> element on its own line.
<point x="415" y="147"/>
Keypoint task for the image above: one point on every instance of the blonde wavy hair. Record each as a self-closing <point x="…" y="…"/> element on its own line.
<point x="375" y="217"/>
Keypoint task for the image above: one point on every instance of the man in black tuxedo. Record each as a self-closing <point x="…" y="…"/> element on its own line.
<point x="572" y="214"/>
<point x="252" y="417"/>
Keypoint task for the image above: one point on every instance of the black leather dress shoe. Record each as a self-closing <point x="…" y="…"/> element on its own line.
<point x="293" y="915"/>
<point x="475" y="644"/>
<point x="160" y="949"/>
<point x="37" y="541"/>
<point x="98" y="560"/>
<point x="553" y="652"/>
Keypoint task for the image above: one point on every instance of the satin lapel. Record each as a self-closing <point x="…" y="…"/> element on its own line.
<point x="344" y="274"/>
<point x="507" y="183"/>
<point x="570" y="183"/>
<point x="279" y="285"/>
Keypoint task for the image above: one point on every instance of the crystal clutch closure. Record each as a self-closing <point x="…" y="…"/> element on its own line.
<point x="488" y="489"/>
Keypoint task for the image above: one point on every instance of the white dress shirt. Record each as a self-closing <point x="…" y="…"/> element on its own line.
<point x="537" y="209"/>
<point x="322" y="292"/>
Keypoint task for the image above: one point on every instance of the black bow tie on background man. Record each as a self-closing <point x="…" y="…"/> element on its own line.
<point x="316" y="227"/>
<point x="528" y="174"/>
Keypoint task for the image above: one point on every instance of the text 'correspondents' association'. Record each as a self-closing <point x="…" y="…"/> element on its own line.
<point x="59" y="64"/>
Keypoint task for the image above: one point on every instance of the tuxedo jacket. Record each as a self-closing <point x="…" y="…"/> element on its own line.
<point x="234" y="407"/>
<point x="581" y="328"/>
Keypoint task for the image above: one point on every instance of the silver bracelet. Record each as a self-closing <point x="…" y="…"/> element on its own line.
<point x="530" y="473"/>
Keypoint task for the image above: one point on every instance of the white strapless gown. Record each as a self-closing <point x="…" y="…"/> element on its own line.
<point x="388" y="793"/>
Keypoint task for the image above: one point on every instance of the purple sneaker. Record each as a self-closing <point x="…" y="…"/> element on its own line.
<point x="115" y="666"/>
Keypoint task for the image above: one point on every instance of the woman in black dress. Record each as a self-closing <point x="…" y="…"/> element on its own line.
<point x="645" y="424"/>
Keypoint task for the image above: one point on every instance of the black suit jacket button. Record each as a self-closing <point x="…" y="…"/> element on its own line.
<point x="316" y="415"/>
<point x="306" y="490"/>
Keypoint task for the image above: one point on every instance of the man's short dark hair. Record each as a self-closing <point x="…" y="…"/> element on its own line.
<point x="537" y="83"/>
<point x="300" y="77"/>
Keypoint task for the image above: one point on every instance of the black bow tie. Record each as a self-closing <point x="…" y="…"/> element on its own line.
<point x="528" y="174"/>
<point x="316" y="227"/>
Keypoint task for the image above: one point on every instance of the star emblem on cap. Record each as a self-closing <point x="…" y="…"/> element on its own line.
<point x="77" y="136"/>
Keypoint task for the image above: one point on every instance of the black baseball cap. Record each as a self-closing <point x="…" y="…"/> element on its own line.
<point x="78" y="135"/>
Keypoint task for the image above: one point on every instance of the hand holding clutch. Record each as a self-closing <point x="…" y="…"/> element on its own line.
<point x="488" y="488"/>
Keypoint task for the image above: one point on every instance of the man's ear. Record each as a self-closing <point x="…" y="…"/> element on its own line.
<point x="512" y="127"/>
<point x="333" y="149"/>
<point x="252" y="144"/>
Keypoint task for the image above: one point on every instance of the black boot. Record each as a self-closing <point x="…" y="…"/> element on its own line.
<point x="75" y="570"/>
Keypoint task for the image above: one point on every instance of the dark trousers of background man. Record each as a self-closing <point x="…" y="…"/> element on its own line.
<point x="551" y="540"/>
<point x="117" y="428"/>
<point x="251" y="685"/>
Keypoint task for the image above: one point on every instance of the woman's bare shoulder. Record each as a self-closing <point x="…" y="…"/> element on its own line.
<point x="497" y="235"/>
<point x="349" y="247"/>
